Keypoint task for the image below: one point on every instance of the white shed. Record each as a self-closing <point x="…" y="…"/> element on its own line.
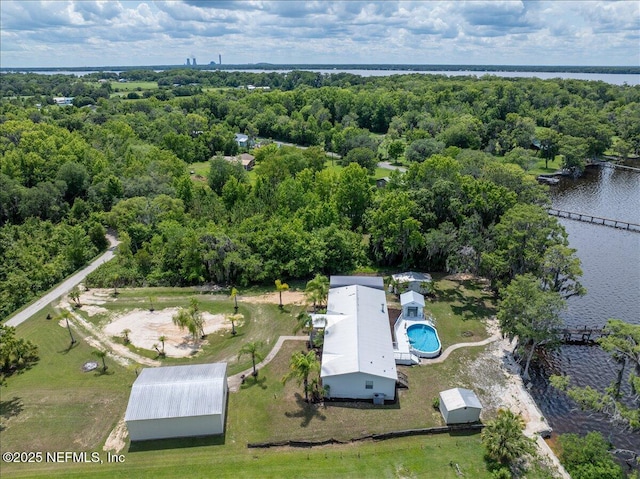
<point x="411" y="281"/>
<point x="460" y="406"/>
<point x="357" y="356"/>
<point x="412" y="305"/>
<point x="178" y="401"/>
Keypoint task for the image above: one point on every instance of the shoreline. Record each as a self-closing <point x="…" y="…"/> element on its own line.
<point x="505" y="389"/>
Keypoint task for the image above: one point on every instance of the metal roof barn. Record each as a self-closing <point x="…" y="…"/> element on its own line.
<point x="375" y="282"/>
<point x="178" y="401"/>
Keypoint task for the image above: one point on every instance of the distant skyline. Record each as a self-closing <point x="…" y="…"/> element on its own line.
<point x="126" y="33"/>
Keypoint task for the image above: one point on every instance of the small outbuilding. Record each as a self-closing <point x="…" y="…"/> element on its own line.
<point x="410" y="281"/>
<point x="412" y="305"/>
<point x="178" y="401"/>
<point x="460" y="406"/>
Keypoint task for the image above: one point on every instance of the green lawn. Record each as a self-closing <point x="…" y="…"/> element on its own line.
<point x="57" y="407"/>
<point x="133" y="86"/>
<point x="553" y="166"/>
<point x="200" y="168"/>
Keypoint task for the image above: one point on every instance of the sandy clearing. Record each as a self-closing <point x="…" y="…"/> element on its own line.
<point x="146" y="328"/>
<point x="116" y="440"/>
<point x="288" y="297"/>
<point x="497" y="375"/>
<point x="96" y="296"/>
<point x="93" y="310"/>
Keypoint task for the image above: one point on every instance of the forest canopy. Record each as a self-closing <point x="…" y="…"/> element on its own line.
<point x="124" y="156"/>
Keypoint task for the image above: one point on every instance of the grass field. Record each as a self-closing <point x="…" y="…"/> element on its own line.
<point x="552" y="167"/>
<point x="57" y="407"/>
<point x="133" y="86"/>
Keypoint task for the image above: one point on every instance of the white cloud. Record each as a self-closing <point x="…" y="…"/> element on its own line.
<point x="125" y="32"/>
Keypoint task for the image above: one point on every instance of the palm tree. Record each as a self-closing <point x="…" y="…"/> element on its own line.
<point x="125" y="336"/>
<point x="234" y="295"/>
<point x="101" y="354"/>
<point x="503" y="438"/>
<point x="182" y="319"/>
<point x="317" y="290"/>
<point x="253" y="349"/>
<point x="232" y="318"/>
<point x="66" y="315"/>
<point x="190" y="319"/>
<point x="115" y="279"/>
<point x="196" y="316"/>
<point x="74" y="294"/>
<point x="162" y="339"/>
<point x="280" y="287"/>
<point x="301" y="366"/>
<point x="303" y="322"/>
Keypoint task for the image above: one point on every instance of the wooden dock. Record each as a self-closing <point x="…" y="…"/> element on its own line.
<point x="596" y="220"/>
<point x="610" y="164"/>
<point x="581" y="336"/>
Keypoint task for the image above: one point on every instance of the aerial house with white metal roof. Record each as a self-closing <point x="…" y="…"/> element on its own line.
<point x="357" y="356"/>
<point x="178" y="401"/>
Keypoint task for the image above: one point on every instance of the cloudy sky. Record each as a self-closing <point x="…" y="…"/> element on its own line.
<point x="109" y="32"/>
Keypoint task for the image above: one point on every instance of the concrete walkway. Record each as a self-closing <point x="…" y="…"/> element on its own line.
<point x="453" y="347"/>
<point x="236" y="380"/>
<point x="64" y="287"/>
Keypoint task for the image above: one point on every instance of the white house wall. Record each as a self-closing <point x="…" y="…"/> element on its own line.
<point x="353" y="386"/>
<point x="176" y="427"/>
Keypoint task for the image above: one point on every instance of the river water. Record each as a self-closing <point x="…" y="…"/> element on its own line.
<point x="611" y="273"/>
<point x="612" y="78"/>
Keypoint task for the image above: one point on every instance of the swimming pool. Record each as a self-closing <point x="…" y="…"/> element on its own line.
<point x="424" y="340"/>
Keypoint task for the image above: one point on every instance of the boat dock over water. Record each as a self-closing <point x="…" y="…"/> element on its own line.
<point x="597" y="220"/>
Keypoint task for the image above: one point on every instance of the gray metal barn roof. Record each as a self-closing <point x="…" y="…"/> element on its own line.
<point x="375" y="282"/>
<point x="178" y="391"/>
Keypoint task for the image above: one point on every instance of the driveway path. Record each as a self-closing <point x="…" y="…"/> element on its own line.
<point x="235" y="380"/>
<point x="64" y="287"/>
<point x="388" y="166"/>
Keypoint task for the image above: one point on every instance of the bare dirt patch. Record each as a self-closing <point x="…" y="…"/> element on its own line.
<point x="116" y="440"/>
<point x="146" y="327"/>
<point x="288" y="297"/>
<point x="497" y="374"/>
<point x="92" y="310"/>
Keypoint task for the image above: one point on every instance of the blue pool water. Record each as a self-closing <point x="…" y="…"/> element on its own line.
<point x="424" y="338"/>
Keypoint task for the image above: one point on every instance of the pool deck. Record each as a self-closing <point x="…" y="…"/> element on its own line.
<point x="402" y="344"/>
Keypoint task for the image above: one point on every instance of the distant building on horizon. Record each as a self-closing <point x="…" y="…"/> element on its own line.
<point x="188" y="62"/>
<point x="194" y="62"/>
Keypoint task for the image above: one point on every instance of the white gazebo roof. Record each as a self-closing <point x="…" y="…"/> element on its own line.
<point x="411" y="297"/>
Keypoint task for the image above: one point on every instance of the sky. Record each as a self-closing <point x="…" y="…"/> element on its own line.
<point x="64" y="33"/>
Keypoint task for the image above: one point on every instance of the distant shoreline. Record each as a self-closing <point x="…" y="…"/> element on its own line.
<point x="346" y="66"/>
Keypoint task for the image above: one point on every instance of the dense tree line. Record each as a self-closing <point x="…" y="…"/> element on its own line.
<point x="69" y="172"/>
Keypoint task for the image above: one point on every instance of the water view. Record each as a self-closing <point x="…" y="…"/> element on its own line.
<point x="611" y="265"/>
